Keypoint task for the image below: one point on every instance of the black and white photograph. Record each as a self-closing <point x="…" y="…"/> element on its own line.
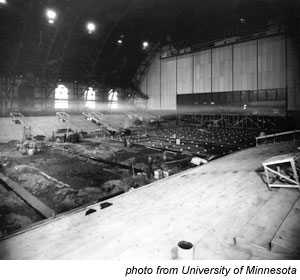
<point x="151" y="130"/>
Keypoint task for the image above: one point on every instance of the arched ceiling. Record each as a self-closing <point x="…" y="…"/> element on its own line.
<point x="31" y="46"/>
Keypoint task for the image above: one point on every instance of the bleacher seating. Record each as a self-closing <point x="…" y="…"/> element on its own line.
<point x="213" y="141"/>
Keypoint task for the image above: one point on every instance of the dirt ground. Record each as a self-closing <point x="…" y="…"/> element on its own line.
<point x="14" y="212"/>
<point x="65" y="180"/>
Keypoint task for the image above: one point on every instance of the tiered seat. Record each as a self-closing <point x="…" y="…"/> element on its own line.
<point x="213" y="141"/>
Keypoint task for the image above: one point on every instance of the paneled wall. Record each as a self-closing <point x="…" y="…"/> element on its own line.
<point x="272" y="63"/>
<point x="168" y="84"/>
<point x="202" y="71"/>
<point x="293" y="76"/>
<point x="222" y="69"/>
<point x="152" y="80"/>
<point x="185" y="74"/>
<point x="245" y="66"/>
<point x="249" y="73"/>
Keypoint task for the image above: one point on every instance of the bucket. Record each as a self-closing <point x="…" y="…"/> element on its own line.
<point x="157" y="174"/>
<point x="30" y="151"/>
<point x="185" y="250"/>
<point x="166" y="173"/>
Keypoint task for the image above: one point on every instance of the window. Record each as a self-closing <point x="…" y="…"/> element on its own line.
<point x="90" y="97"/>
<point x="113" y="99"/>
<point x="61" y="97"/>
<point x="262" y="95"/>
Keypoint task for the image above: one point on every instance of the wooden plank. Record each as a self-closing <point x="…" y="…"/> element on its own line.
<point x="98" y="159"/>
<point x="59" y="183"/>
<point x="259" y="253"/>
<point x="264" y="225"/>
<point x="28" y="197"/>
<point x="287" y="240"/>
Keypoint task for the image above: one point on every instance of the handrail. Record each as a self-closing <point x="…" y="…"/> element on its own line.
<point x="85" y="114"/>
<point x="98" y="114"/>
<point x="276" y="134"/>
<point x="63" y="116"/>
<point x="98" y="118"/>
<point x="17" y="117"/>
<point x="240" y="36"/>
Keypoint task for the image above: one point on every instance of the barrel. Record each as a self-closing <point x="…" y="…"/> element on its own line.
<point x="185" y="250"/>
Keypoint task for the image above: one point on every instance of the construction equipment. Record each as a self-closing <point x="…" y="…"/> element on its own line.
<point x="27" y="147"/>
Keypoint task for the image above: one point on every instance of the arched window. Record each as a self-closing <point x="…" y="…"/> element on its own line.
<point x="61" y="97"/>
<point x="90" y="97"/>
<point x="113" y="99"/>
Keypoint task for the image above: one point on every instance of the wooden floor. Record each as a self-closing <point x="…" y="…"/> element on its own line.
<point x="210" y="206"/>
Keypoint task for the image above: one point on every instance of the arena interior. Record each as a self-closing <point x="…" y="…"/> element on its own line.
<point x="155" y="130"/>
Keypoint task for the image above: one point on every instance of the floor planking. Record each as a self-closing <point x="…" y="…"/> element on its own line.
<point x="207" y="205"/>
<point x="263" y="226"/>
<point x="287" y="238"/>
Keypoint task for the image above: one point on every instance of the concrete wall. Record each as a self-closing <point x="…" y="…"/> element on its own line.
<point x="254" y="72"/>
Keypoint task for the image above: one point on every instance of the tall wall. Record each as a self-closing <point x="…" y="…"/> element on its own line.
<point x="40" y="100"/>
<point x="262" y="74"/>
<point x="245" y="66"/>
<point x="168" y="87"/>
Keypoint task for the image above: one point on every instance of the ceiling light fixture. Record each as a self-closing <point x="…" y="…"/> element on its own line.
<point x="145" y="45"/>
<point x="91" y="27"/>
<point x="51" y="15"/>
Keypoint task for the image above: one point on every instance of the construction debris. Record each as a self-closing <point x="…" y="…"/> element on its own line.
<point x="29" y="147"/>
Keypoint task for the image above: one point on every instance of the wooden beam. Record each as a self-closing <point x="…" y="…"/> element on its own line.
<point x="33" y="201"/>
<point x="113" y="163"/>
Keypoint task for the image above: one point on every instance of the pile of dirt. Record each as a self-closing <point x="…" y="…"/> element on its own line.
<point x="58" y="195"/>
<point x="11" y="145"/>
<point x="102" y="149"/>
<point x="15" y="214"/>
